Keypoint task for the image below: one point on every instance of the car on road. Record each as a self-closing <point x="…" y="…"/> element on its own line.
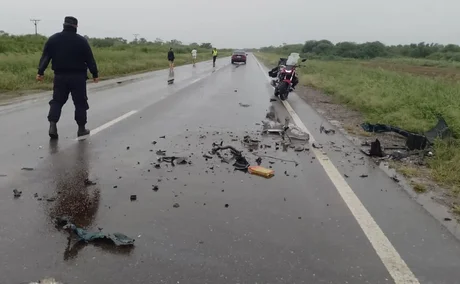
<point x="239" y="56"/>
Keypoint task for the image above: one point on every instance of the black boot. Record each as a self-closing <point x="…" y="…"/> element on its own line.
<point x="53" y="131"/>
<point x="82" y="131"/>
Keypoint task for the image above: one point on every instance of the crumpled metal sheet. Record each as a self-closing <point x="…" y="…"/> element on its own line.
<point x="117" y="238"/>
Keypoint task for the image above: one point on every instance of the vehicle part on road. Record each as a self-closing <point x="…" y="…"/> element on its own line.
<point x="117" y="239"/>
<point x="155" y="188"/>
<point x="327" y="131"/>
<point x="414" y="141"/>
<point x="17" y="193"/>
<point x="261" y="171"/>
<point x="364" y="176"/>
<point x="375" y="150"/>
<point x="176" y="205"/>
<point x="161" y="153"/>
<point x="133" y="197"/>
<point x="27" y="169"/>
<point x="172" y="159"/>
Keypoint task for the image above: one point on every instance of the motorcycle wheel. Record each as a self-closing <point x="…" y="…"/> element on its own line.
<point x="283" y="89"/>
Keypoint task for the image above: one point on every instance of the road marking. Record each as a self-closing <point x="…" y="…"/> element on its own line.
<point x="393" y="262"/>
<point x="108" y="124"/>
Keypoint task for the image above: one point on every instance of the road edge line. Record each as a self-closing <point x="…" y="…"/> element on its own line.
<point x="387" y="253"/>
<point x="108" y="124"/>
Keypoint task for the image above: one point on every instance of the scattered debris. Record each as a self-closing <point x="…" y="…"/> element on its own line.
<point x="161" y="153"/>
<point x="261" y="171"/>
<point x="176" y="205"/>
<point x="345" y="175"/>
<point x="51" y="199"/>
<point x="244" y="105"/>
<point x="273" y="100"/>
<point x="35" y="195"/>
<point x="327" y="131"/>
<point x="259" y="161"/>
<point x="17" y="193"/>
<point x="163" y="137"/>
<point x="207" y="156"/>
<point x="375" y="150"/>
<point x="226" y="205"/>
<point x="154" y="142"/>
<point x="395" y="178"/>
<point x="155" y="188"/>
<point x="363" y="176"/>
<point x="115" y="186"/>
<point x="133" y="197"/>
<point x="27" y="169"/>
<point x="317" y="146"/>
<point x="414" y="141"/>
<point x="117" y="239"/>
<point x="127" y="148"/>
<point x="447" y="219"/>
<point x="89" y="182"/>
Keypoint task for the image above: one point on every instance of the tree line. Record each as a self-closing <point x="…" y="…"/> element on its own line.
<point x="34" y="43"/>
<point x="369" y="50"/>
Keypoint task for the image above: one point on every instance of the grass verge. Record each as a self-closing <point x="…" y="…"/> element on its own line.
<point x="18" y="70"/>
<point x="402" y="99"/>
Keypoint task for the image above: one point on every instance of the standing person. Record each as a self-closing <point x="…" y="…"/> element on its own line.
<point x="194" y="56"/>
<point x="171" y="58"/>
<point x="214" y="57"/>
<point x="71" y="57"/>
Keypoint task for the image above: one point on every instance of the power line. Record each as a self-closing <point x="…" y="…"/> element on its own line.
<point x="35" y="21"/>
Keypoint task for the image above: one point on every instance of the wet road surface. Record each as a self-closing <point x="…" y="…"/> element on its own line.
<point x="201" y="222"/>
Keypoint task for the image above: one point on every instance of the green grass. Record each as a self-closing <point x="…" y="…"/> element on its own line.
<point x="401" y="99"/>
<point x="18" y="70"/>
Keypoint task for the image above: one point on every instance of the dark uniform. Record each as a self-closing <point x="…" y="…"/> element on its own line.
<point x="71" y="57"/>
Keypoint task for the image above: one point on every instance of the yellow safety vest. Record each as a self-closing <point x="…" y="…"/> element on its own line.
<point x="214" y="53"/>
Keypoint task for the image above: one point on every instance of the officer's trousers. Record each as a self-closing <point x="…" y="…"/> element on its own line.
<point x="65" y="84"/>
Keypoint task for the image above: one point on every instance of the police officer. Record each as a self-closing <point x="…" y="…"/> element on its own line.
<point x="214" y="57"/>
<point x="70" y="56"/>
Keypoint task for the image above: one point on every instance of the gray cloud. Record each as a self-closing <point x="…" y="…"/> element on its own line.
<point x="245" y="23"/>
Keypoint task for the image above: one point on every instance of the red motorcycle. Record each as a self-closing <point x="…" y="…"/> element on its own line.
<point x="286" y="76"/>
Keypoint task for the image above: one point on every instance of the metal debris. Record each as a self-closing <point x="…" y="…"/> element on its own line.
<point x="17" y="193"/>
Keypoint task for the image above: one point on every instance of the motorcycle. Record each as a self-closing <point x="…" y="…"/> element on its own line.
<point x="285" y="74"/>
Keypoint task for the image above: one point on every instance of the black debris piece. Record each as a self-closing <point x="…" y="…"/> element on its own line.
<point x="317" y="146"/>
<point x="157" y="166"/>
<point x="259" y="161"/>
<point x="241" y="164"/>
<point x="176" y="205"/>
<point x="273" y="100"/>
<point x="51" y="199"/>
<point x="163" y="137"/>
<point x="115" y="186"/>
<point x="155" y="188"/>
<point x="35" y="195"/>
<point x="395" y="178"/>
<point x="236" y="91"/>
<point x="244" y="105"/>
<point x="133" y="197"/>
<point x="363" y="176"/>
<point x="375" y="150"/>
<point x="327" y="131"/>
<point x="127" y="148"/>
<point x="447" y="219"/>
<point x="89" y="182"/>
<point x="207" y="156"/>
<point x="345" y="175"/>
<point x="226" y="205"/>
<point x="154" y="142"/>
<point x="27" y="169"/>
<point x="202" y="136"/>
<point x="286" y="173"/>
<point x="161" y="153"/>
<point x="17" y="193"/>
<point x="299" y="149"/>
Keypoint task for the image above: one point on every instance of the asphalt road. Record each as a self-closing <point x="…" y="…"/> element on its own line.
<point x="206" y="223"/>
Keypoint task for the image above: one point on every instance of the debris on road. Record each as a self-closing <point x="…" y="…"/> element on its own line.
<point x="226" y="205"/>
<point x="414" y="141"/>
<point x="163" y="137"/>
<point x="155" y="188"/>
<point x="17" y="193"/>
<point x="161" y="153"/>
<point x="154" y="142"/>
<point x="363" y="176"/>
<point x="261" y="171"/>
<point x="127" y="148"/>
<point x="395" y="178"/>
<point x="51" y="199"/>
<point x="244" y="105"/>
<point x="273" y="100"/>
<point x="117" y="239"/>
<point x="89" y="182"/>
<point x="317" y="146"/>
<point x="259" y="161"/>
<point x="173" y="160"/>
<point x="375" y="150"/>
<point x="325" y="130"/>
<point x="27" y="169"/>
<point x="447" y="219"/>
<point x="133" y="197"/>
<point x="176" y="205"/>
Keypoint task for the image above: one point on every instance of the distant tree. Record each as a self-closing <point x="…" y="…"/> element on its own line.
<point x="206" y="45"/>
<point x="158" y="41"/>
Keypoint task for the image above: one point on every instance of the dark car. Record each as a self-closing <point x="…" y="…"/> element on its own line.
<point x="239" y="56"/>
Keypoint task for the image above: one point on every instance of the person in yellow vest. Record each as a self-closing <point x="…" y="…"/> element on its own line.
<point x="214" y="56"/>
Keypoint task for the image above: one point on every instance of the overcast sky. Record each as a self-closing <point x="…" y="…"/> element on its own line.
<point x="244" y="23"/>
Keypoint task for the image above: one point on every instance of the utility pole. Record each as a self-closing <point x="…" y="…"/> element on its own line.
<point x="135" y="37"/>
<point x="35" y="21"/>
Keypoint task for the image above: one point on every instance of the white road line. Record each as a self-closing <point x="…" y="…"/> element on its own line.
<point x="108" y="124"/>
<point x="393" y="262"/>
